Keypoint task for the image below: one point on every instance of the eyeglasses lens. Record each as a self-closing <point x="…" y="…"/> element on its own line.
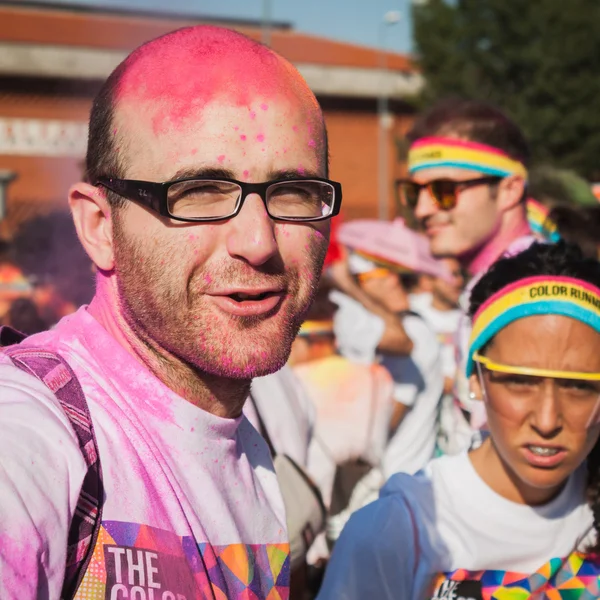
<point x="409" y="193"/>
<point x="300" y="199"/>
<point x="444" y="193"/>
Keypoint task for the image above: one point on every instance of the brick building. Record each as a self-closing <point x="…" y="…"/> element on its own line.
<point x="54" y="58"/>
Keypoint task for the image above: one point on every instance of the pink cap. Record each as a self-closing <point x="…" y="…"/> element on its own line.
<point x="392" y="242"/>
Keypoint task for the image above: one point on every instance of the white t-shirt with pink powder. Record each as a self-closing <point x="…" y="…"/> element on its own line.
<point x="192" y="506"/>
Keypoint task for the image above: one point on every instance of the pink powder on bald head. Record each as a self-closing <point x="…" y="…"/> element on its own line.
<point x="312" y="143"/>
<point x="264" y="106"/>
<point x="179" y="73"/>
<point x="246" y="173"/>
<point x="243" y="138"/>
<point x="221" y="158"/>
<point x="260" y="137"/>
<point x="295" y="128"/>
<point x="252" y="114"/>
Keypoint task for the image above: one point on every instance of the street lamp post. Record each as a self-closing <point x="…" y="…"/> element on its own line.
<point x="5" y="178"/>
<point x="392" y="17"/>
<point x="266" y="23"/>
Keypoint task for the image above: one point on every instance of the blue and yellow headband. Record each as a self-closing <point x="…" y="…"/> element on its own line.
<point x="431" y="152"/>
<point x="540" y="295"/>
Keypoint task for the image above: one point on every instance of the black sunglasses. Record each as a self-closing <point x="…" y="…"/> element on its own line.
<point x="443" y="191"/>
<point x="199" y="199"/>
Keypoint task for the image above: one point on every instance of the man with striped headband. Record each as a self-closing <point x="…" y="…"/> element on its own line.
<point x="467" y="187"/>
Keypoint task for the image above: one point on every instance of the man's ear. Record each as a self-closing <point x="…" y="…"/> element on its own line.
<point x="510" y="192"/>
<point x="92" y="217"/>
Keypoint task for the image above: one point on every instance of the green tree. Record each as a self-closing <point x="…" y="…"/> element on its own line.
<point x="539" y="60"/>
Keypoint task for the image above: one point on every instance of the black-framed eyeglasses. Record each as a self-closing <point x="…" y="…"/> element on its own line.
<point x="215" y="199"/>
<point x="443" y="191"/>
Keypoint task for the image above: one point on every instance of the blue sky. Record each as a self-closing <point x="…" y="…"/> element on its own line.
<point x="356" y="21"/>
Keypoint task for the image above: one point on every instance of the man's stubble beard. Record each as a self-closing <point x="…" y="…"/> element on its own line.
<point x="175" y="319"/>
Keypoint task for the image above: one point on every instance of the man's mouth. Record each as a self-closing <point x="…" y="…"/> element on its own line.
<point x="242" y="296"/>
<point x="248" y="302"/>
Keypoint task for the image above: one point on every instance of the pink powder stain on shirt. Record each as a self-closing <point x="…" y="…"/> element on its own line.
<point x="221" y="158"/>
<point x="260" y="137"/>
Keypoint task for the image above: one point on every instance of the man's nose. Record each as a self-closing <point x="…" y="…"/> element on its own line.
<point x="252" y="233"/>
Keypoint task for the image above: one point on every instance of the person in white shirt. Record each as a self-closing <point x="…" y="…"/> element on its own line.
<point x="418" y="380"/>
<point x="205" y="209"/>
<point x="354" y="405"/>
<point x="354" y="401"/>
<point x="440" y="309"/>
<point x="286" y="410"/>
<point x="518" y="517"/>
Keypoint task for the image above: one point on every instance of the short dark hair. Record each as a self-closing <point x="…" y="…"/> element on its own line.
<point x="102" y="158"/>
<point x="560" y="259"/>
<point x="475" y="121"/>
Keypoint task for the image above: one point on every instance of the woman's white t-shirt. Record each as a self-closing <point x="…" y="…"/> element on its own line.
<point x="444" y="533"/>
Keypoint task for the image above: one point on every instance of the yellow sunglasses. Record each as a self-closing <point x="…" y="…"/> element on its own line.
<point x="378" y="273"/>
<point x="490" y="365"/>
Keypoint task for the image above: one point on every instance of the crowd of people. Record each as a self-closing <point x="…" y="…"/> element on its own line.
<point x="215" y="400"/>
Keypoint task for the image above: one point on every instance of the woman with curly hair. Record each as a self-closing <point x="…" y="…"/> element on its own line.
<point x="518" y="517"/>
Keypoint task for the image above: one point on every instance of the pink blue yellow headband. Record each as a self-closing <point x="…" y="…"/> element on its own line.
<point x="432" y="152"/>
<point x="540" y="225"/>
<point x="540" y="295"/>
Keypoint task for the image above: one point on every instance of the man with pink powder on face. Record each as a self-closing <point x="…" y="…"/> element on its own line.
<point x="202" y="284"/>
<point x="467" y="187"/>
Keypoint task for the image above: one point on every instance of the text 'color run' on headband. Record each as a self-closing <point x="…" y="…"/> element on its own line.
<point x="540" y="295"/>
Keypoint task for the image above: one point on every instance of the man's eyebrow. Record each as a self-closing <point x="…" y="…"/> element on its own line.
<point x="293" y="174"/>
<point x="218" y="173"/>
<point x="202" y="173"/>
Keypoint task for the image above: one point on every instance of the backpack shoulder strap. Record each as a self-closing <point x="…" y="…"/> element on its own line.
<point x="10" y="336"/>
<point x="57" y="375"/>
